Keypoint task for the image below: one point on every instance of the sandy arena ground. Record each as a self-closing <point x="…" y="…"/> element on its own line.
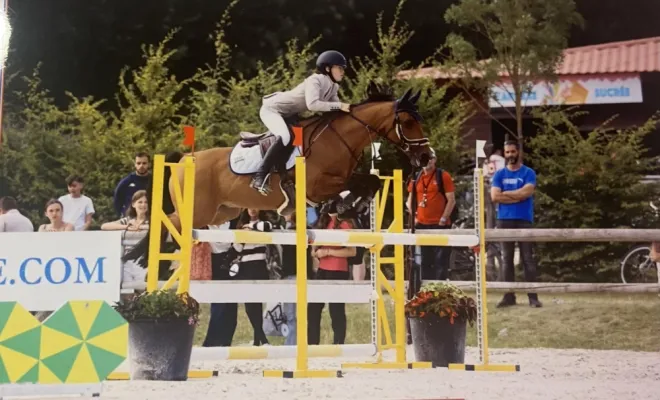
<point x="545" y="374"/>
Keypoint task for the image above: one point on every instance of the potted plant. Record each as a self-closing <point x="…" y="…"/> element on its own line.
<point x="439" y="314"/>
<point x="161" y="328"/>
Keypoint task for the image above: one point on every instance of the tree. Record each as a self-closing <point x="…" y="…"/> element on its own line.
<point x="522" y="40"/>
<point x="591" y="180"/>
<point x="443" y="117"/>
<point x="36" y="148"/>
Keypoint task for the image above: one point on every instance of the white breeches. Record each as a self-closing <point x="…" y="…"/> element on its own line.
<point x="275" y="123"/>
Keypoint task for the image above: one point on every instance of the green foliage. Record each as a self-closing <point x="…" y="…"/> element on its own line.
<point x="523" y="39"/>
<point x="443" y="116"/>
<point x="589" y="180"/>
<point x="36" y="151"/>
<point x="160" y="305"/>
<point x="443" y="299"/>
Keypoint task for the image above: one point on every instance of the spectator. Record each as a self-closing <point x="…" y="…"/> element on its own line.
<point x="513" y="191"/>
<point x="137" y="216"/>
<point x="78" y="208"/>
<point x="11" y="220"/>
<point x="348" y="209"/>
<point x="252" y="265"/>
<point x="54" y="212"/>
<point x="135" y="181"/>
<point x="333" y="265"/>
<point x="222" y="322"/>
<point x="435" y="201"/>
<point x="289" y="270"/>
<point x="136" y="219"/>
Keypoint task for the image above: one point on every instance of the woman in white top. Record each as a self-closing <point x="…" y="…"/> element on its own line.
<point x="137" y="216"/>
<point x="136" y="219"/>
<point x="54" y="211"/>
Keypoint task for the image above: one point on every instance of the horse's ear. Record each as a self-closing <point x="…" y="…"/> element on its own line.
<point x="372" y="89"/>
<point x="406" y="95"/>
<point x="415" y="97"/>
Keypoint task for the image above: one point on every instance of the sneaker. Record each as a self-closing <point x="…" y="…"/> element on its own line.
<point x="508" y="300"/>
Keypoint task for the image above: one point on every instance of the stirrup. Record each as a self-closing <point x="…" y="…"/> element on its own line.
<point x="264" y="188"/>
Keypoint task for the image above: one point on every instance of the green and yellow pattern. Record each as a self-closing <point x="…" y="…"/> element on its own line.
<point x="82" y="342"/>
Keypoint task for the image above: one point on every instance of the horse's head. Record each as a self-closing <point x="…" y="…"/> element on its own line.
<point x="399" y="122"/>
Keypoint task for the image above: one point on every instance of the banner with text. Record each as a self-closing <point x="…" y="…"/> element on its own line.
<point x="571" y="91"/>
<point x="43" y="270"/>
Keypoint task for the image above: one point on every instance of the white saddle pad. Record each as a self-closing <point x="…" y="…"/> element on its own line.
<point x="244" y="161"/>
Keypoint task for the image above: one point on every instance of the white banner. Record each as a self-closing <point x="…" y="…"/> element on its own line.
<point x="569" y="91"/>
<point x="44" y="270"/>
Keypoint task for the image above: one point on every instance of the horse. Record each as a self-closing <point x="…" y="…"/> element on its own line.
<point x="333" y="144"/>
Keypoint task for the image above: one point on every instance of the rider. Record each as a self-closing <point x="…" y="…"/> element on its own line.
<point x="316" y="93"/>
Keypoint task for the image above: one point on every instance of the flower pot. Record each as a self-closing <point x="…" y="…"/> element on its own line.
<point x="160" y="350"/>
<point x="438" y="341"/>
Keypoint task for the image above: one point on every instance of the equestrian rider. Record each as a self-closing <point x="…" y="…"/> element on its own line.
<point x="317" y="93"/>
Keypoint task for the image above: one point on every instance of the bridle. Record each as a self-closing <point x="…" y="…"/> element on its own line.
<point x="404" y="143"/>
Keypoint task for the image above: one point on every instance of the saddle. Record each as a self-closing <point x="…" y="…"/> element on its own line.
<point x="263" y="140"/>
<point x="266" y="139"/>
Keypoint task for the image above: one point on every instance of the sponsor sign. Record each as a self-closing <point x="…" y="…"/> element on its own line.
<point x="43" y="270"/>
<point x="571" y="91"/>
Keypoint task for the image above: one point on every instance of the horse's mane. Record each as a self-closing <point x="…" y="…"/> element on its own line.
<point x="375" y="94"/>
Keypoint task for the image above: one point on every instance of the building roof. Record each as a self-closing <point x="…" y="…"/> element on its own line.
<point x="641" y="55"/>
<point x="631" y="56"/>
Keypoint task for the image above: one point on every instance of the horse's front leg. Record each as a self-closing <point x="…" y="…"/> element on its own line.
<point x="363" y="187"/>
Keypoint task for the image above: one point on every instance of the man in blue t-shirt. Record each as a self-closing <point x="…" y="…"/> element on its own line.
<point x="512" y="189"/>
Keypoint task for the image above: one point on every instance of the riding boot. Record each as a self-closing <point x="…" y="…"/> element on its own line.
<point x="259" y="181"/>
<point x="286" y="184"/>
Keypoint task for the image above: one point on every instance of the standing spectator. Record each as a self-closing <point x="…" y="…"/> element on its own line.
<point x="11" y="220"/>
<point x="78" y="208"/>
<point x="333" y="265"/>
<point x="222" y="322"/>
<point x="289" y="271"/>
<point x="54" y="212"/>
<point x="135" y="181"/>
<point x="252" y="265"/>
<point x="513" y="191"/>
<point x="492" y="164"/>
<point x="136" y="219"/>
<point x="434" y="189"/>
<point x="348" y="207"/>
<point x="137" y="216"/>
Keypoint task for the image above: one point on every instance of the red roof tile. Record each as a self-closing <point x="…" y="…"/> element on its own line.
<point x="632" y="56"/>
<point x="642" y="55"/>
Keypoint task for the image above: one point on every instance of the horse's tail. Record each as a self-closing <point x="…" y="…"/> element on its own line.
<point x="140" y="252"/>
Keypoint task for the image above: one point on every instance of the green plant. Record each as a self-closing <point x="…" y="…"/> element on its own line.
<point x="159" y="305"/>
<point x="443" y="299"/>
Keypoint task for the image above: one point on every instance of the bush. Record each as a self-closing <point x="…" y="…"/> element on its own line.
<point x="588" y="180"/>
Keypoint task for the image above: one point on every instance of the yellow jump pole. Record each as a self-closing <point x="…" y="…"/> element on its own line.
<point x="186" y="217"/>
<point x="185" y="203"/>
<point x="156" y="222"/>
<point x="302" y="368"/>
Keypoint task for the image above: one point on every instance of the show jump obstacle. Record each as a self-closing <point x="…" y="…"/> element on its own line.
<point x="302" y="237"/>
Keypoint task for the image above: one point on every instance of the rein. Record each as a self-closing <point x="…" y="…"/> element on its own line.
<point x="404" y="144"/>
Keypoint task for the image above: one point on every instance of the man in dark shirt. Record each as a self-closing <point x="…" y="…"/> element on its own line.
<point x="137" y="180"/>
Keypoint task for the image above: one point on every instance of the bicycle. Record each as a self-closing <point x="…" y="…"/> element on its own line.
<point x="637" y="266"/>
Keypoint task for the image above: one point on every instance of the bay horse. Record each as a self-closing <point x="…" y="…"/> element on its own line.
<point x="332" y="145"/>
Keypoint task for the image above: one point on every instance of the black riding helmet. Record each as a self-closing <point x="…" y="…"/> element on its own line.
<point x="328" y="59"/>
